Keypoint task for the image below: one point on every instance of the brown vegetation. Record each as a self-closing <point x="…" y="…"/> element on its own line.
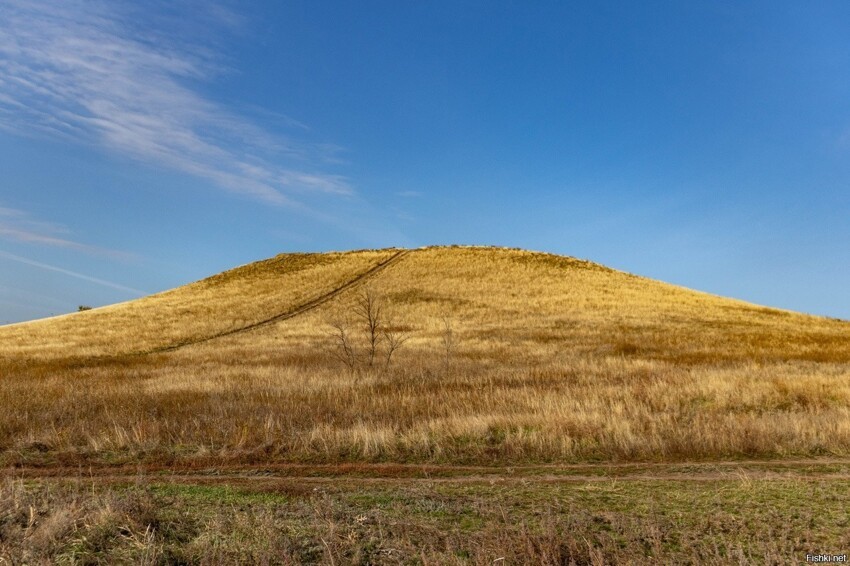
<point x="437" y="356"/>
<point x="512" y="356"/>
<point x="743" y="521"/>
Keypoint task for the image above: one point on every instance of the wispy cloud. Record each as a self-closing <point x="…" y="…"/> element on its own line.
<point x="85" y="71"/>
<point x="48" y="267"/>
<point x="17" y="225"/>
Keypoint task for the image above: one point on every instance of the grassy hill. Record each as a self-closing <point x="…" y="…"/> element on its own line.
<point x="506" y="356"/>
<point x="495" y="294"/>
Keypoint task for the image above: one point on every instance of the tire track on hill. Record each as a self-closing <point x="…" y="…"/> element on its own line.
<point x="303" y="308"/>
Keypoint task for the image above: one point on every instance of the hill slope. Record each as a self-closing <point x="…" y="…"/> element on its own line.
<point x="505" y="355"/>
<point x="232" y="300"/>
<point x="492" y="294"/>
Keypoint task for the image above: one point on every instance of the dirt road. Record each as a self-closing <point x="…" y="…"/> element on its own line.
<point x="285" y="474"/>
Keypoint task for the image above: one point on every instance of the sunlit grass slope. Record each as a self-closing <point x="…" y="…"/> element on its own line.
<point x="527" y="304"/>
<point x="512" y="356"/>
<point x="225" y="302"/>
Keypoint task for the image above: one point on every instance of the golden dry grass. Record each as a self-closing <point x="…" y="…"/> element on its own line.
<point x="227" y="301"/>
<point x="551" y="359"/>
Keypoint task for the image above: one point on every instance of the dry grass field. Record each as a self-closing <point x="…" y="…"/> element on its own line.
<point x="476" y="357"/>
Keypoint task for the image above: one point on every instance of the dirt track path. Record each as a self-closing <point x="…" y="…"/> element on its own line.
<point x="305" y="307"/>
<point x="271" y="475"/>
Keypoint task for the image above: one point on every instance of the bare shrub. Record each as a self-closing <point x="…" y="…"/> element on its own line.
<point x="368" y="309"/>
<point x="365" y="332"/>
<point x="394" y="338"/>
<point x="343" y="344"/>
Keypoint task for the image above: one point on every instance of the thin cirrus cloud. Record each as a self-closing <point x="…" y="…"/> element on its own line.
<point x="68" y="272"/>
<point x="19" y="226"/>
<point x="81" y="70"/>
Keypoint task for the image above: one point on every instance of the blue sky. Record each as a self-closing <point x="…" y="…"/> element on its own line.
<point x="146" y="145"/>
